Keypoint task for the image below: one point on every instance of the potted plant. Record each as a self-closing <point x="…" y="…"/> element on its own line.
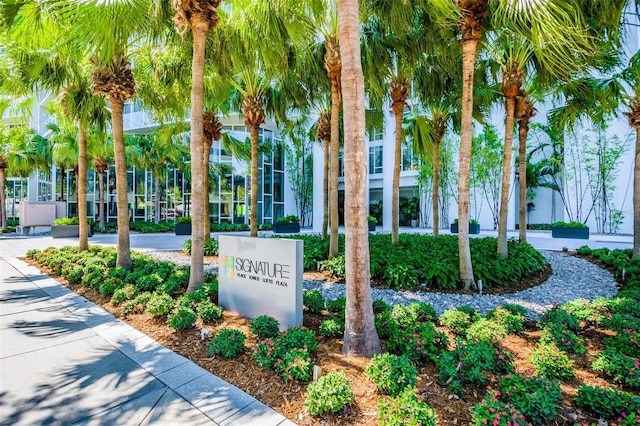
<point x="570" y="230"/>
<point x="372" y="223"/>
<point x="183" y="225"/>
<point x="474" y="226"/>
<point x="287" y="224"/>
<point x="66" y="227"/>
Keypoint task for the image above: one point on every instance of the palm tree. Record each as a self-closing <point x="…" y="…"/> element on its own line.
<point x="83" y="107"/>
<point x="199" y="17"/>
<point x="428" y="135"/>
<point x="212" y="130"/>
<point x="360" y="336"/>
<point x="545" y="25"/>
<point x="333" y="65"/>
<point x="324" y="134"/>
<point x="524" y="112"/>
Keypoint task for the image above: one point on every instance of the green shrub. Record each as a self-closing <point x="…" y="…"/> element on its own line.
<point x="209" y="311"/>
<point x="621" y="368"/>
<point x="457" y="321"/>
<point x="492" y="411"/>
<point x="536" y="397"/>
<point x="486" y="330"/>
<point x="228" y="342"/>
<point x="385" y="324"/>
<point x="401" y="276"/>
<point x="294" y="363"/>
<point x="410" y="261"/>
<point x="127" y="292"/>
<point x="448" y="372"/>
<point x="313" y="300"/>
<point x="178" y="279"/>
<point x="620" y="322"/>
<point x="93" y="279"/>
<point x="268" y="351"/>
<point x="558" y="315"/>
<point x="75" y="275"/>
<point x="334" y="266"/>
<point x="379" y="306"/>
<point x="478" y="357"/>
<point x="183" y="318"/>
<point x="606" y="403"/>
<point x="160" y="304"/>
<point x="423" y="311"/>
<point x="109" y="285"/>
<point x="391" y="373"/>
<point x="211" y="247"/>
<point x="265" y="326"/>
<point x="513" y="323"/>
<point x="410" y="408"/>
<point x="420" y="342"/>
<point x="627" y="341"/>
<point x="329" y="393"/>
<point x="333" y="327"/>
<point x="337" y="306"/>
<point x="149" y="282"/>
<point x="138" y="304"/>
<point x="565" y="339"/>
<point x="590" y="312"/>
<point x="551" y="362"/>
<point x="516" y="309"/>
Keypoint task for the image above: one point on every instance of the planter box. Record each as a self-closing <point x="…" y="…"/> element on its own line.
<point x="286" y="228"/>
<point x="67" y="231"/>
<point x="372" y="226"/>
<point x="183" y="229"/>
<point x="474" y="228"/>
<point x="570" y="232"/>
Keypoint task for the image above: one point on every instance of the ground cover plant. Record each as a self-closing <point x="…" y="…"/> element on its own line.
<point x="453" y="367"/>
<point x="408" y="264"/>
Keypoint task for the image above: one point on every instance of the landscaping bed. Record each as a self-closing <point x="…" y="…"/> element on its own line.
<point x="450" y="392"/>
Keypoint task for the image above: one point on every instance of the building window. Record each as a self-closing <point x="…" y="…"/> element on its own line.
<point x="340" y="163"/>
<point x="376" y="135"/>
<point x="375" y="159"/>
<point x="409" y="161"/>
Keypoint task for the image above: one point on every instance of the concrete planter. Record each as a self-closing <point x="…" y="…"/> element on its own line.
<point x="183" y="229"/>
<point x="286" y="228"/>
<point x="570" y="232"/>
<point x="474" y="228"/>
<point x="67" y="231"/>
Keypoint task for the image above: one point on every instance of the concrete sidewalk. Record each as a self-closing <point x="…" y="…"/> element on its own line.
<point x="64" y="360"/>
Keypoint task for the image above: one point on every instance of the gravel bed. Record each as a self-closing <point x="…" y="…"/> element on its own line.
<point x="572" y="278"/>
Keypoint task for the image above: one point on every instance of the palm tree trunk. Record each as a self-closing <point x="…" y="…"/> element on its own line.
<point x="3" y="206"/>
<point x="253" y="214"/>
<point x="101" y="195"/>
<point x="636" y="198"/>
<point x="523" y="130"/>
<point x="83" y="227"/>
<point x="360" y="336"/>
<point x="199" y="28"/>
<point x="124" y="247"/>
<point x="205" y="193"/>
<point x="158" y="195"/>
<point x="398" y="108"/>
<point x="435" y="198"/>
<point x="333" y="168"/>
<point x="469" y="51"/>
<point x="510" y="106"/>
<point x="325" y="190"/>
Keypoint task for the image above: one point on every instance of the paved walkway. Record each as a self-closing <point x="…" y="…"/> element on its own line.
<point x="64" y="360"/>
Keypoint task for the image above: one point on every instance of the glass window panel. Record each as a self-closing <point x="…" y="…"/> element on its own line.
<point x="278" y="193"/>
